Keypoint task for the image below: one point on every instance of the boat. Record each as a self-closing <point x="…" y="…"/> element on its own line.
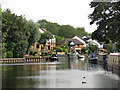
<point x="54" y="57"/>
<point x="81" y="57"/>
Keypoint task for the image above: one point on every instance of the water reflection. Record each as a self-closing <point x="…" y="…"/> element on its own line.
<point x="65" y="75"/>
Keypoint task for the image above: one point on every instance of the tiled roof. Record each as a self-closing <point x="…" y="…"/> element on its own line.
<point x="68" y="41"/>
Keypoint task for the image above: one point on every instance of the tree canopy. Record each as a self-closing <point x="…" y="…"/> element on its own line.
<point x="17" y="34"/>
<point x="106" y="15"/>
<point x="61" y="30"/>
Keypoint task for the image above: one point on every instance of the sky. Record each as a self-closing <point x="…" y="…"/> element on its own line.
<point x="63" y="12"/>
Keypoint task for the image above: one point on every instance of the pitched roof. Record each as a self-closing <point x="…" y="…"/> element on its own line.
<point x="44" y="30"/>
<point x="68" y="41"/>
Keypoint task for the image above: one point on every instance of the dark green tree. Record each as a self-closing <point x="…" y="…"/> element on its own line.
<point x="44" y="37"/>
<point x="106" y="15"/>
<point x="59" y="39"/>
<point x="52" y="27"/>
<point x="118" y="46"/>
<point x="81" y="32"/>
<point x="42" y="23"/>
<point x="66" y="30"/>
<point x="33" y="32"/>
<point x="17" y="34"/>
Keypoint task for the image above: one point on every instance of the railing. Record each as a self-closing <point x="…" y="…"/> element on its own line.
<point x="24" y="60"/>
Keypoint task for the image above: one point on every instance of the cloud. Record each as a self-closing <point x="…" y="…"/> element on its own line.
<point x="72" y="12"/>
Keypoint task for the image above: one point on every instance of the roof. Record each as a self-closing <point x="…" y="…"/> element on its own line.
<point x="69" y="36"/>
<point x="68" y="41"/>
<point x="42" y="30"/>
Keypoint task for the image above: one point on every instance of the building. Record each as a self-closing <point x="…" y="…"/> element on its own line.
<point x="74" y="45"/>
<point x="81" y="40"/>
<point x="50" y="44"/>
<point x="36" y="47"/>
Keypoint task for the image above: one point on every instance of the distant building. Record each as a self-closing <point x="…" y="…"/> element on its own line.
<point x="74" y="44"/>
<point x="50" y="44"/>
<point x="78" y="38"/>
<point x="36" y="47"/>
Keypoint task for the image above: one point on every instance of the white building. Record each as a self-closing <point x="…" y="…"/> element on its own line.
<point x="78" y="38"/>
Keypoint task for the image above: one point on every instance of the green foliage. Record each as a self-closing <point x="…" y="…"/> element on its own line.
<point x="118" y="46"/>
<point x="59" y="39"/>
<point x="106" y="16"/>
<point x="44" y="37"/>
<point x="81" y="32"/>
<point x="18" y="34"/>
<point x="66" y="30"/>
<point x="42" y="23"/>
<point x="61" y="30"/>
<point x="52" y="27"/>
<point x="66" y="51"/>
<point x="59" y="49"/>
<point x="93" y="48"/>
<point x="31" y="52"/>
<point x="88" y="50"/>
<point x="108" y="47"/>
<point x="50" y="52"/>
<point x="35" y="52"/>
<point x="34" y="33"/>
<point x="64" y="46"/>
<point x="9" y="54"/>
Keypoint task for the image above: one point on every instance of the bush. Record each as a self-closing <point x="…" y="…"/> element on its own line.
<point x="9" y="54"/>
<point x="93" y="48"/>
<point x="64" y="46"/>
<point x="66" y="51"/>
<point x="59" y="49"/>
<point x="46" y="53"/>
<point x="31" y="52"/>
<point x="118" y="46"/>
<point x="35" y="52"/>
<point x="108" y="47"/>
<point x="50" y="52"/>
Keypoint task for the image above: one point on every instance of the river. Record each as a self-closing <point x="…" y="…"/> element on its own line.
<point x="72" y="74"/>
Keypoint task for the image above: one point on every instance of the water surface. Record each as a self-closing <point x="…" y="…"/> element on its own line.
<point x="57" y="75"/>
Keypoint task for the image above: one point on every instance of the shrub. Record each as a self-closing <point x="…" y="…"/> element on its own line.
<point x="93" y="48"/>
<point x="108" y="47"/>
<point x="9" y="54"/>
<point x="46" y="53"/>
<point x="118" y="46"/>
<point x="66" y="51"/>
<point x="31" y="52"/>
<point x="59" y="49"/>
<point x="35" y="52"/>
<point x="50" y="52"/>
<point x="64" y="46"/>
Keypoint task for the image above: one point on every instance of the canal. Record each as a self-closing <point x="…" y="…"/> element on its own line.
<point x="72" y="74"/>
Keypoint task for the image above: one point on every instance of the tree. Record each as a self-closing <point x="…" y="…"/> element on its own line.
<point x="106" y="16"/>
<point x="44" y="37"/>
<point x="42" y="23"/>
<point x="34" y="34"/>
<point x="108" y="47"/>
<point x="17" y="34"/>
<point x="65" y="46"/>
<point x="93" y="48"/>
<point x="81" y="32"/>
<point x="52" y="27"/>
<point x="66" y="30"/>
<point x="118" y="46"/>
<point x="59" y="39"/>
